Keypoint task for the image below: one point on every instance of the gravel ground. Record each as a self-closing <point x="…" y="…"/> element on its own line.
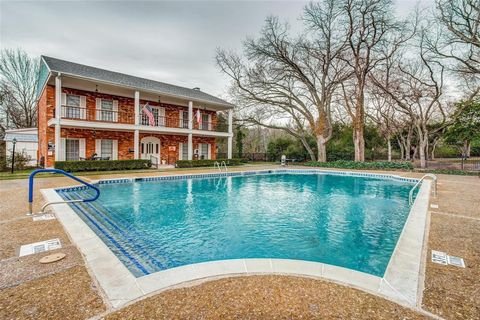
<point x="21" y="269"/>
<point x="69" y="294"/>
<point x="265" y="297"/>
<point x="452" y="292"/>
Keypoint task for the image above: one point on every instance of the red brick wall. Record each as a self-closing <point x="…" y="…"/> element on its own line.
<point x="46" y="111"/>
<point x="167" y="141"/>
<point x="125" y="143"/>
<point x="126" y="107"/>
<point x="125" y="140"/>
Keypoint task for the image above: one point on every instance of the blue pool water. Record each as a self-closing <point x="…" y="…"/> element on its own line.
<point x="347" y="221"/>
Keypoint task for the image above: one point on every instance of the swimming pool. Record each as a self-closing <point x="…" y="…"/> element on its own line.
<point x="347" y="220"/>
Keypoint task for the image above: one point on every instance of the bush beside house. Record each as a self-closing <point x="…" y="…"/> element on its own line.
<point x="102" y="165"/>
<point x="206" y="163"/>
<point x="377" y="165"/>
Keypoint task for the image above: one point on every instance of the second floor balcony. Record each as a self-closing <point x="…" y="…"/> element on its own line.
<point x="157" y="120"/>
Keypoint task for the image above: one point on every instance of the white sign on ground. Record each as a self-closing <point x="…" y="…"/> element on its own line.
<point x="439" y="257"/>
<point x="38" y="247"/>
<point x="43" y="217"/>
<point x="456" y="261"/>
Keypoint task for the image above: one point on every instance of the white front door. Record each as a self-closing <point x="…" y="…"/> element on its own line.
<point x="150" y="148"/>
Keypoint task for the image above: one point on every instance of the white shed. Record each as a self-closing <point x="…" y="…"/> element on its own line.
<point x="27" y="141"/>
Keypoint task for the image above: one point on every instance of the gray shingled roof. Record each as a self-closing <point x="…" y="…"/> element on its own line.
<point x="76" y="69"/>
<point x="21" y="137"/>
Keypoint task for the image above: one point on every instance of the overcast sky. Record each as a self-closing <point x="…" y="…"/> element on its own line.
<point x="172" y="42"/>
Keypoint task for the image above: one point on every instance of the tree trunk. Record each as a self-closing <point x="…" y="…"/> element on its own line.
<point x="309" y="150"/>
<point x="415" y="152"/>
<point x="434" y="146"/>
<point x="358" y="129"/>
<point x="389" y="145"/>
<point x="408" y="145"/>
<point x="468" y="149"/>
<point x="359" y="143"/>
<point x="423" y="160"/>
<point x="322" y="148"/>
<point x="402" y="149"/>
<point x="427" y="147"/>
<point x="422" y="147"/>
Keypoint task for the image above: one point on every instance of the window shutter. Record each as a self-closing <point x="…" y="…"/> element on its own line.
<point x="161" y="114"/>
<point x="81" y="147"/>
<point x="98" y="106"/>
<point x="114" y="149"/>
<point x="63" y="149"/>
<point x="83" y="106"/>
<point x="63" y="103"/>
<point x="115" y="110"/>
<point x="180" y="124"/>
<point x="180" y="150"/>
<point x="209" y="122"/>
<point x="98" y="147"/>
<point x="209" y="148"/>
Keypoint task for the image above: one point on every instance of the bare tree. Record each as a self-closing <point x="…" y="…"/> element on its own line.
<point x="370" y="25"/>
<point x="460" y="39"/>
<point x="288" y="83"/>
<point x="416" y="85"/>
<point x="456" y="41"/>
<point x="381" y="110"/>
<point x="18" y="85"/>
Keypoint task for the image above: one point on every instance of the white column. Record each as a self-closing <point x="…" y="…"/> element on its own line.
<point x="190" y="128"/>
<point x="136" y="144"/>
<point x="137" y="108"/>
<point x="58" y="114"/>
<point x="230" y="135"/>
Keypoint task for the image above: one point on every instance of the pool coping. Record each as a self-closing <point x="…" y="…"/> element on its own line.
<point x="400" y="282"/>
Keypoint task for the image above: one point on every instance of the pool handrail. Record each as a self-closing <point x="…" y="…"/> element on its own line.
<point x="30" y="189"/>
<point x="224" y="164"/>
<point x="428" y="175"/>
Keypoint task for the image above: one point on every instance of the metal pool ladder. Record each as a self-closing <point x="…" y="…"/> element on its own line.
<point x="221" y="165"/>
<point x="428" y="175"/>
<point x="30" y="190"/>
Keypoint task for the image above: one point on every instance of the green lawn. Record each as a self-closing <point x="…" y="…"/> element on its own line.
<point x="23" y="174"/>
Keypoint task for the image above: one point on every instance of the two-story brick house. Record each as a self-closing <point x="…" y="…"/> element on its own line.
<point x="85" y="111"/>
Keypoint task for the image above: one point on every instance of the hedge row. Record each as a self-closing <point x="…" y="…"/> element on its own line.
<point x="378" y="165"/>
<point x="102" y="165"/>
<point x="206" y="163"/>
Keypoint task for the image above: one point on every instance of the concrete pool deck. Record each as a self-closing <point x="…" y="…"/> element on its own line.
<point x="455" y="297"/>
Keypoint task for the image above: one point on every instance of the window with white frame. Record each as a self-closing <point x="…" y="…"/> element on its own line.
<point x="184" y="151"/>
<point x="106" y="112"/>
<point x="72" y="108"/>
<point x="106" y="149"/>
<point x="203" y="150"/>
<point x="158" y="116"/>
<point x="184" y="119"/>
<point x="205" y="122"/>
<point x="72" y="149"/>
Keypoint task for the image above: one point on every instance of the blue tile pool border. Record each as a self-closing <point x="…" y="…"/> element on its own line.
<point x="240" y="173"/>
